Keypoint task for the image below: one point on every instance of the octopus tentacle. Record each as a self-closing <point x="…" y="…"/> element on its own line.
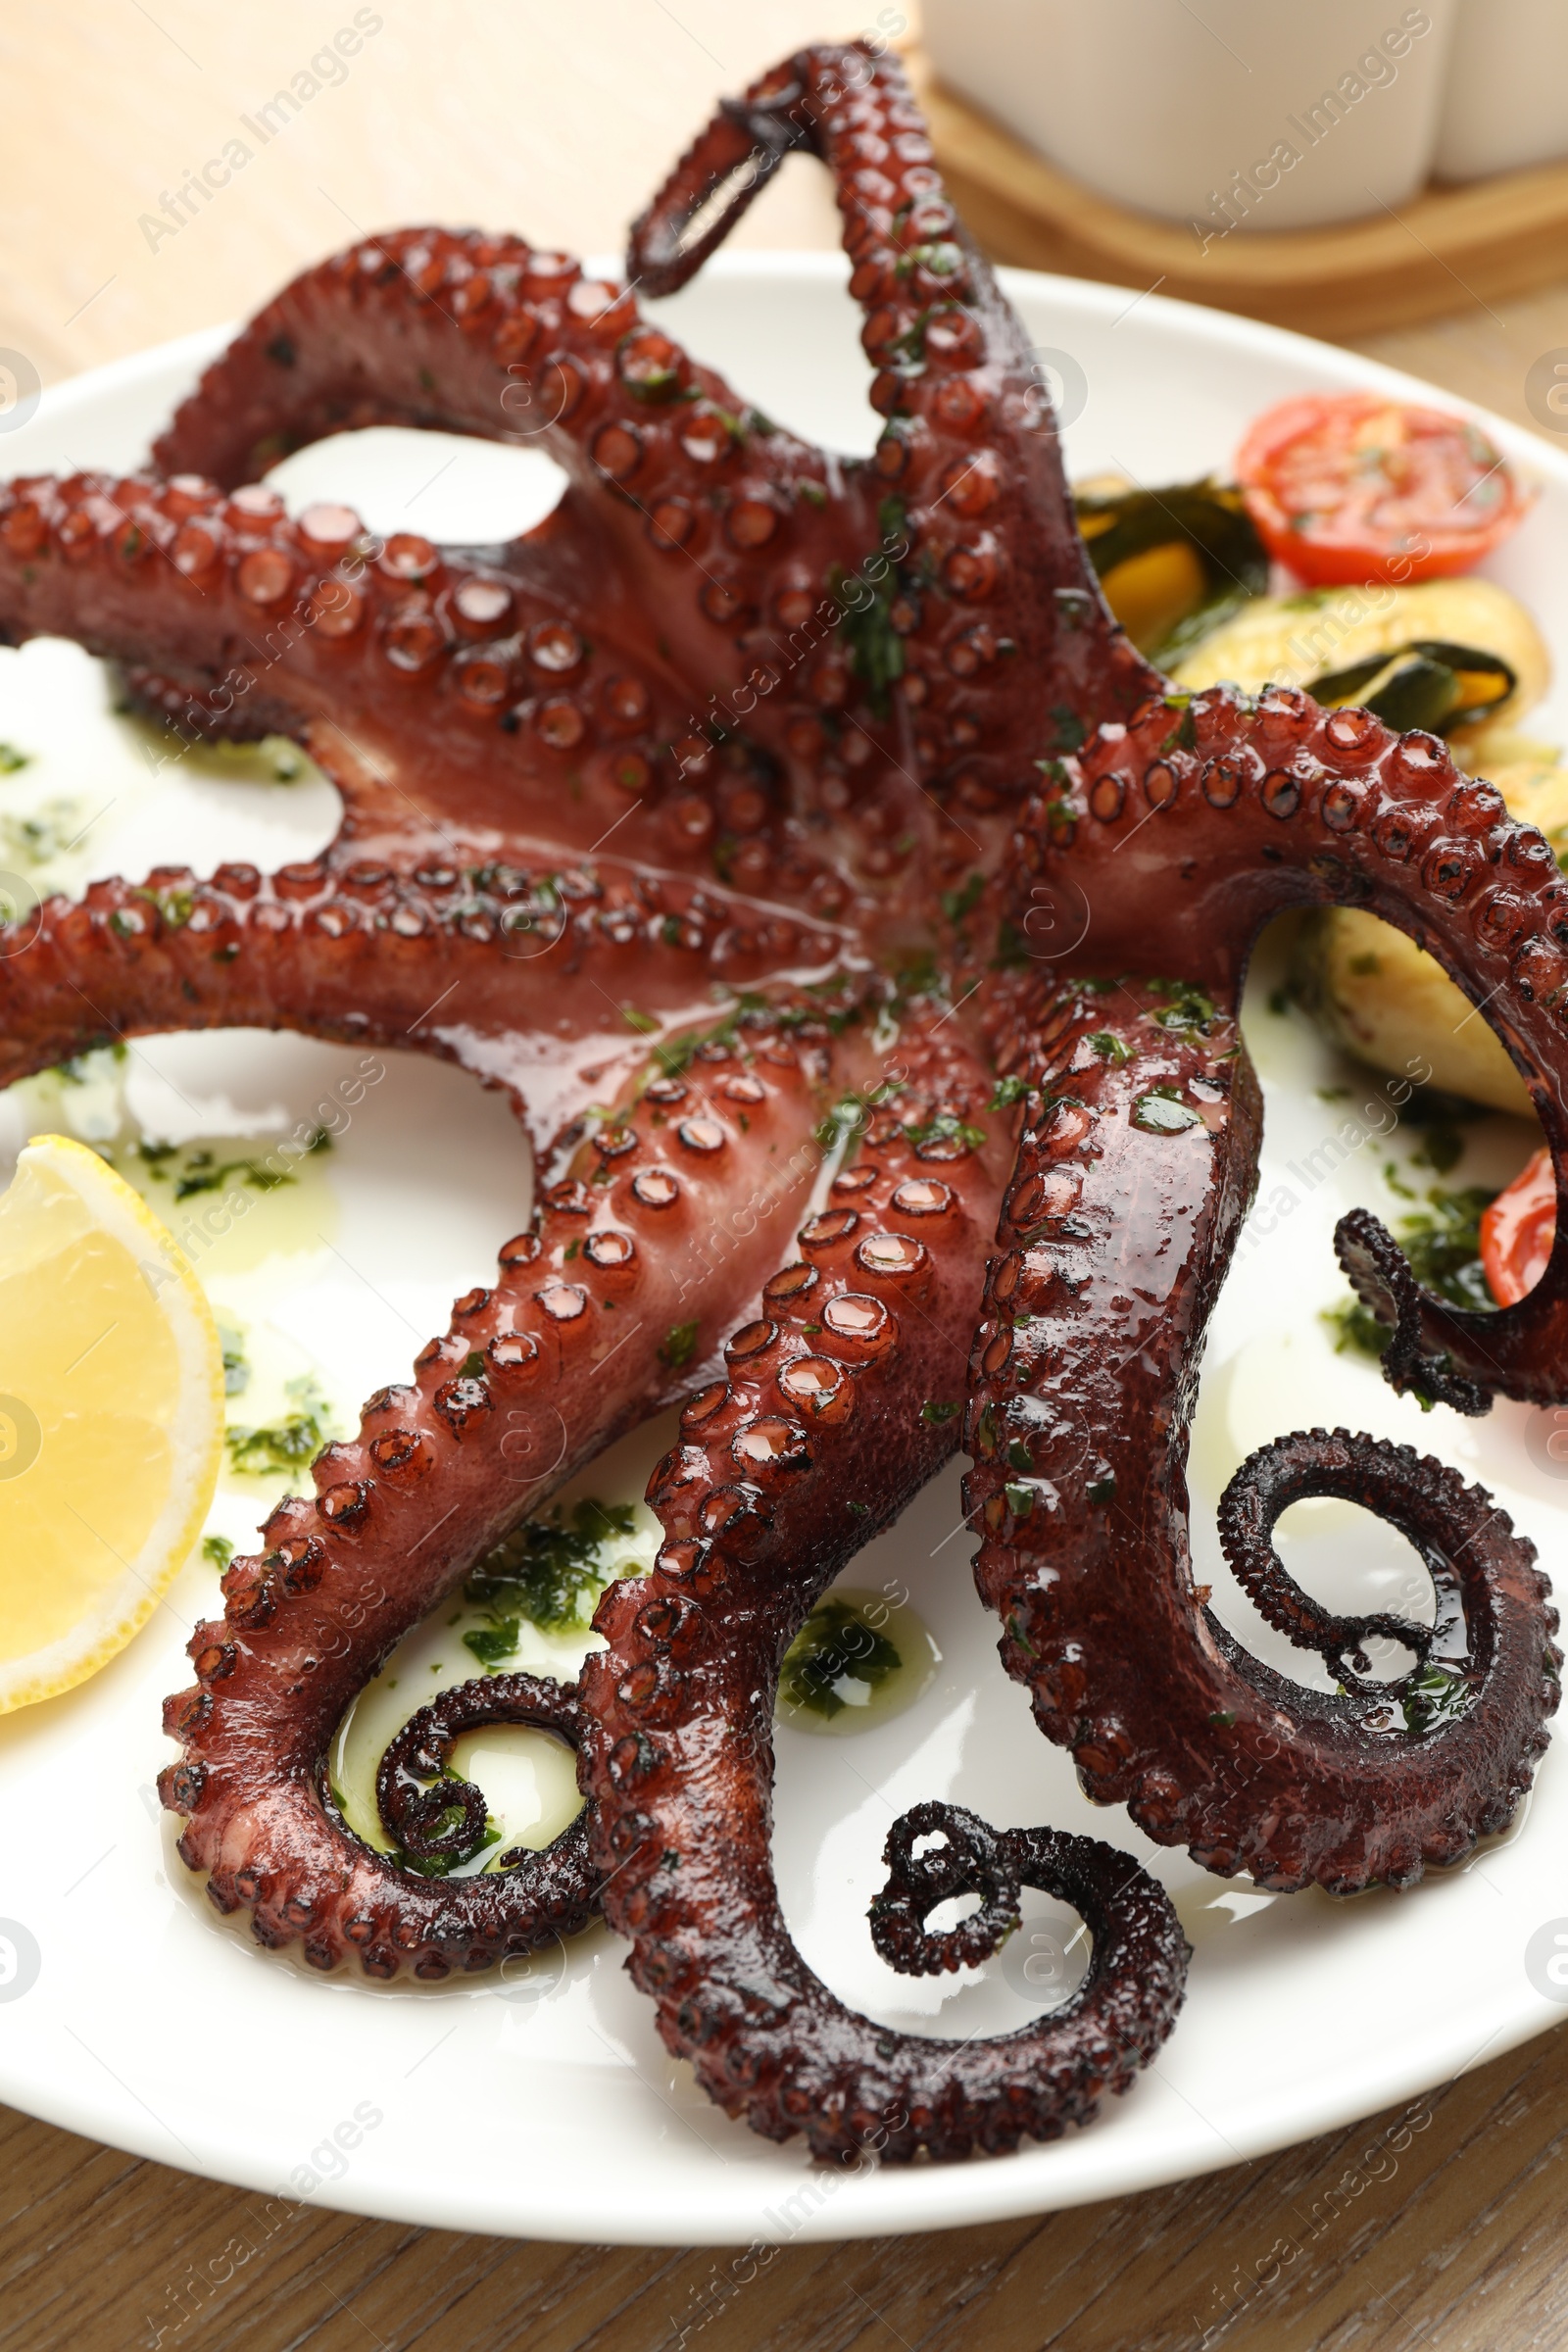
<point x="678" y="1756"/>
<point x="1140" y="1954"/>
<point x="1135" y="1170"/>
<point x="1010" y="640"/>
<point x="762" y="557"/>
<point x="1288" y="1471"/>
<point x="732" y="160"/>
<point x="660" y="1238"/>
<point x="698" y="499"/>
<point x="549" y="984"/>
<point x="1382" y="1279"/>
<point x="1285" y="803"/>
<point x="961" y="1854"/>
<point x="436" y="1817"/>
<point x="476" y="333"/>
<point x="454" y="699"/>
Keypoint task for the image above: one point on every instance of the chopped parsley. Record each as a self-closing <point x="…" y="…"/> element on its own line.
<point x="835" y="1648"/>
<point x="1013" y="949"/>
<point x="1442" y="1150"/>
<point x="679" y="1346"/>
<point x="1441" y="1118"/>
<point x="946" y="1128"/>
<point x="237" y="1367"/>
<point x="547" y="1570"/>
<point x="1356" y="1328"/>
<point x="956" y="904"/>
<point x="198" y="1169"/>
<point x="871" y="643"/>
<point x="1434" y="1697"/>
<point x="1163" y="1112"/>
<point x="447" y="1823"/>
<point x="490" y="1643"/>
<point x="673" y="1054"/>
<point x="1442" y="1243"/>
<point x="1189" y="1007"/>
<point x="290" y="1443"/>
<point x="78" y="1069"/>
<point x="174" y="906"/>
<point x="924" y="977"/>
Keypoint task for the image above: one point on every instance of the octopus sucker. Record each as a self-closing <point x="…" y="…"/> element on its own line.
<point x="805" y="850"/>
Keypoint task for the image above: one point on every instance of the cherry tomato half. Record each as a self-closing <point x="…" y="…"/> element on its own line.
<point x="1517" y="1232"/>
<point x="1346" y="487"/>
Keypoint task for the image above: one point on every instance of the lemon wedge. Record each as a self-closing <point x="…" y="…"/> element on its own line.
<point x="111" y="1417"/>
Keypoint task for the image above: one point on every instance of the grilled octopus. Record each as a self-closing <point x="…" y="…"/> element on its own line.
<point x="804" y="850"/>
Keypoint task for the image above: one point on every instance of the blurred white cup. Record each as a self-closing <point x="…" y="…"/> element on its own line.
<point x="1508" y="94"/>
<point x="1231" y="114"/>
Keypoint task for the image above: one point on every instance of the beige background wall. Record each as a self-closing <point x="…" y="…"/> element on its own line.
<point x="550" y="119"/>
<point x="557" y="120"/>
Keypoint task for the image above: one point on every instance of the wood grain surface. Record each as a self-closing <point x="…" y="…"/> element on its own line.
<point x="1440" y="2228"/>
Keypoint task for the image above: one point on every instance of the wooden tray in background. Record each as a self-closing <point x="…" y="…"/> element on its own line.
<point x="1440" y="251"/>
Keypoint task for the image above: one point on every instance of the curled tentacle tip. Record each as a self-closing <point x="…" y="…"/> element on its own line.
<point x="435" y="1817"/>
<point x="1382" y="1279"/>
<point x="961" y="1855"/>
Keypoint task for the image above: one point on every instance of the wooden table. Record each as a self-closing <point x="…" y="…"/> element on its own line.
<point x="1450" y="2233"/>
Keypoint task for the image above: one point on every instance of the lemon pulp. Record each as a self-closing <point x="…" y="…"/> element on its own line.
<point x="111" y="1417"/>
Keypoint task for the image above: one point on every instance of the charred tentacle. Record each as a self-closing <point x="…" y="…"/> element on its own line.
<point x="1135" y="1170"/>
<point x="435" y="1817"/>
<point x="963" y="1855"/>
<point x="679" y="1756"/>
<point x="536" y="1373"/>
<point x="1140" y="1954"/>
<point x="1390" y="1480"/>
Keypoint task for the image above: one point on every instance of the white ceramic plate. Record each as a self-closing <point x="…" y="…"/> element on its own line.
<point x="553" y="2110"/>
